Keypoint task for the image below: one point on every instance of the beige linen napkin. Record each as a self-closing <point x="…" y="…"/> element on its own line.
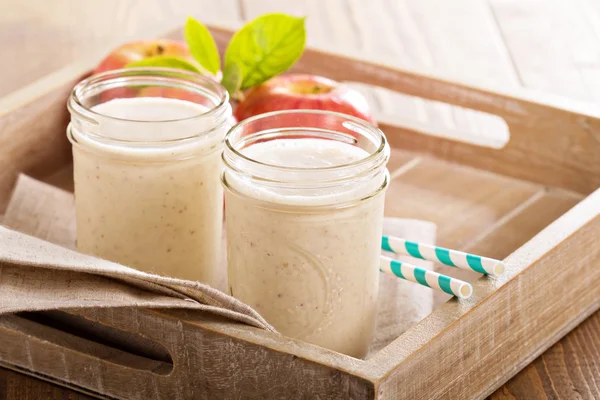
<point x="37" y="275"/>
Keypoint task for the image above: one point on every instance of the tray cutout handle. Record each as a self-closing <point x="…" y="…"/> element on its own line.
<point x="553" y="141"/>
<point x="73" y="332"/>
<point x="439" y="119"/>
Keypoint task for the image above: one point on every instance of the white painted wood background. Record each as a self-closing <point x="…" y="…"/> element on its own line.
<point x="550" y="45"/>
<point x="547" y="45"/>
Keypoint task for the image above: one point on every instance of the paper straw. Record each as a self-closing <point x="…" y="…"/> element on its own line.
<point x="425" y="277"/>
<point x="453" y="258"/>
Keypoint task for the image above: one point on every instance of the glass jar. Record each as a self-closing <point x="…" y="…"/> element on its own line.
<point x="147" y="149"/>
<point x="304" y="212"/>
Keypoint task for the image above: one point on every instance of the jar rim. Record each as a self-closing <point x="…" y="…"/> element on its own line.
<point x="358" y="125"/>
<point x="75" y="104"/>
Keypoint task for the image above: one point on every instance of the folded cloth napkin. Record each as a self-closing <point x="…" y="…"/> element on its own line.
<point x="37" y="275"/>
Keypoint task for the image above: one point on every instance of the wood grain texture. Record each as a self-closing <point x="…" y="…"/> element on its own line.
<point x="541" y="65"/>
<point x="462" y="202"/>
<point x="206" y="363"/>
<point x="568" y="370"/>
<point x="554" y="44"/>
<point x="515" y="228"/>
<point x="34" y="131"/>
<point x="16" y="386"/>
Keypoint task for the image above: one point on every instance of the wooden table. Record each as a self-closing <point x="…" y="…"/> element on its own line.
<point x="547" y="45"/>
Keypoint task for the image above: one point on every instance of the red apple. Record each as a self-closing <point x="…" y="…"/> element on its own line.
<point x="135" y="51"/>
<point x="138" y="50"/>
<point x="299" y="91"/>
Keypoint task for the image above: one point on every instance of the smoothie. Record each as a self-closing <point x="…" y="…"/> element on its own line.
<point x="147" y="187"/>
<point x="306" y="256"/>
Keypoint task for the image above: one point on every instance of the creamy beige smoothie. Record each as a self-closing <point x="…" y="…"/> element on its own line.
<point x="146" y="196"/>
<point x="306" y="258"/>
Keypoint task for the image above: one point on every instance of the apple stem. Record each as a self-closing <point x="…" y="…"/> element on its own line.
<point x="238" y="96"/>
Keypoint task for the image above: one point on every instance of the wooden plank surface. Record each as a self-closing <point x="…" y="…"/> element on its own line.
<point x="14" y="385"/>
<point x="462" y="202"/>
<point x="546" y="378"/>
<point x="430" y="36"/>
<point x="548" y="45"/>
<point x="44" y="37"/>
<point x="568" y="370"/>
<point x="554" y="44"/>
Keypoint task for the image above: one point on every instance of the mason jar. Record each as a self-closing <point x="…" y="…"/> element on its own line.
<point x="304" y="195"/>
<point x="147" y="149"/>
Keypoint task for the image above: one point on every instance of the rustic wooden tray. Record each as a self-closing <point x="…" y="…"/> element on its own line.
<point x="531" y="203"/>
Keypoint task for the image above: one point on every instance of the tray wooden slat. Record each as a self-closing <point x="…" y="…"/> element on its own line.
<point x="31" y="138"/>
<point x="523" y="223"/>
<point x="463" y="202"/>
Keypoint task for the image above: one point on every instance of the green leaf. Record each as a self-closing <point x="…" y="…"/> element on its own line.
<point x="232" y="78"/>
<point x="266" y="46"/>
<point x="202" y="46"/>
<point x="164" y="61"/>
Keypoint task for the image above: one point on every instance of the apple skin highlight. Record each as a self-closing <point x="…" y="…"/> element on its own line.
<point x="300" y="91"/>
<point x="138" y="50"/>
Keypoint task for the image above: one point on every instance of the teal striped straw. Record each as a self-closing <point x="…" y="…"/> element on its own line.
<point x="452" y="258"/>
<point x="425" y="277"/>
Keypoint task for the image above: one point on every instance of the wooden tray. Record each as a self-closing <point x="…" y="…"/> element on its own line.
<point x="531" y="203"/>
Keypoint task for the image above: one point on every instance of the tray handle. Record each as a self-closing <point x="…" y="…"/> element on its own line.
<point x="70" y="349"/>
<point x="552" y="143"/>
<point x="555" y="144"/>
